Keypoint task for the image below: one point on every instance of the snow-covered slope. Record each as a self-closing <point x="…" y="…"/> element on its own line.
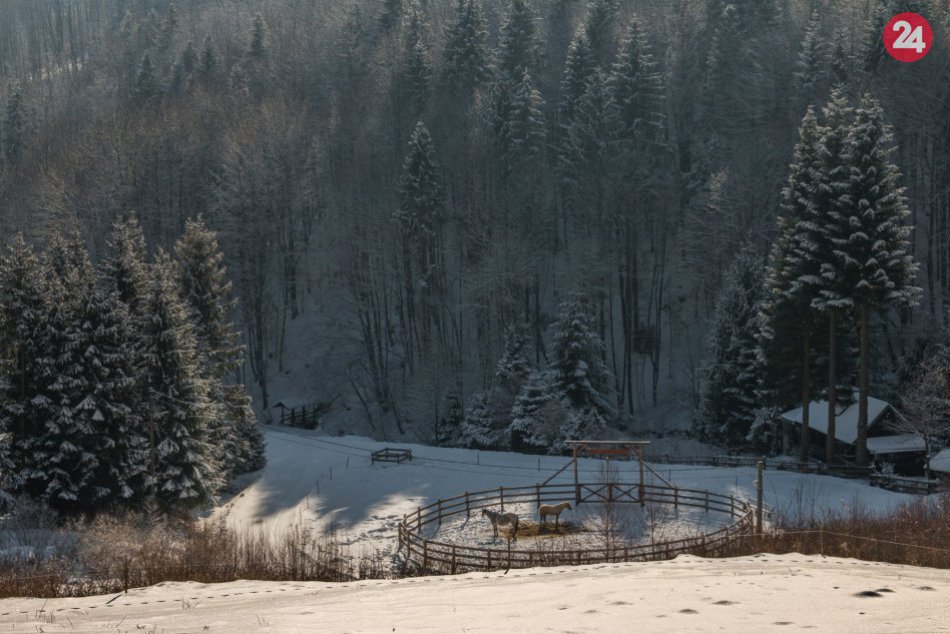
<point x="767" y="593"/>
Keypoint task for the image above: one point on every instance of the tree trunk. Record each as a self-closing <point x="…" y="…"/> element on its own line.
<point x="832" y="390"/>
<point x="806" y="396"/>
<point x="862" y="441"/>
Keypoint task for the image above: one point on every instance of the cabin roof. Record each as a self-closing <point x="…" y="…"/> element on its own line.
<point x="846" y="422"/>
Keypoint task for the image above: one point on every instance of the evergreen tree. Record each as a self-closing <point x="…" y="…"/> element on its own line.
<point x="876" y="257"/>
<point x="792" y="280"/>
<point x="827" y="228"/>
<point x="417" y="70"/>
<point x="479" y="429"/>
<point x="584" y="161"/>
<point x="126" y="268"/>
<point x="537" y="415"/>
<point x="811" y="62"/>
<point x="598" y="29"/>
<point x="636" y="90"/>
<point x="466" y="57"/>
<point x="520" y="45"/>
<point x="147" y="87"/>
<point x="841" y="59"/>
<point x="209" y="60"/>
<point x="189" y="59"/>
<point x="513" y="367"/>
<point x="578" y="68"/>
<point x="185" y="472"/>
<point x="23" y="308"/>
<point x="15" y="125"/>
<point x="257" y="50"/>
<point x="730" y="393"/>
<point x="580" y="371"/>
<point x="392" y="14"/>
<point x="202" y="279"/>
<point x="421" y="212"/>
<point x="521" y="128"/>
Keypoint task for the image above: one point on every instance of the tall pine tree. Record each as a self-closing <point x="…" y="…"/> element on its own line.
<point x="466" y="56"/>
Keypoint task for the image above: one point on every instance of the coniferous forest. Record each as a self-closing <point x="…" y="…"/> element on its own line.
<point x="484" y="223"/>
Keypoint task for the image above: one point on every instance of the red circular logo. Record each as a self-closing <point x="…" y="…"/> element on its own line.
<point x="908" y="37"/>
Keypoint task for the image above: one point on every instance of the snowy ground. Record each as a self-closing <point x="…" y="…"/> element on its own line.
<point x="767" y="593"/>
<point x="328" y="483"/>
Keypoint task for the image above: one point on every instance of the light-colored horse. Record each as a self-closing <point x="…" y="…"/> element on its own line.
<point x="553" y="509"/>
<point x="504" y="519"/>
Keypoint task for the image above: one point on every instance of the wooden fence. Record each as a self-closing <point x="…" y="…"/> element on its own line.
<point x="438" y="557"/>
<point x="839" y="470"/>
<point x="905" y="485"/>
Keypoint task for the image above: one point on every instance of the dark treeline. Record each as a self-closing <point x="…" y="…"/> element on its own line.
<point x="435" y="173"/>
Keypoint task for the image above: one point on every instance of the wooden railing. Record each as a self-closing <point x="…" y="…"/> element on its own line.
<point x="433" y="556"/>
<point x="905" y="485"/>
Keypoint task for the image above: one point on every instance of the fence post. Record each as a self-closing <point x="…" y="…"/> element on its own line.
<point x="501" y="494"/>
<point x="759" y="468"/>
<point x="676" y="497"/>
<point x="440" y="511"/>
<point x="488" y="559"/>
<point x="425" y="554"/>
<point x="453" y="560"/>
<point x="468" y="510"/>
<point x="418" y="517"/>
<point x="537" y="492"/>
<point x="707" y="500"/>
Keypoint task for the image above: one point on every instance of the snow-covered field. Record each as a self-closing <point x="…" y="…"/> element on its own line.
<point x="328" y="483"/>
<point x="768" y="593"/>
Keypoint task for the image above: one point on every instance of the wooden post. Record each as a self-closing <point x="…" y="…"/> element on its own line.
<point x="501" y="494"/>
<point x="759" y="469"/>
<point x="577" y="485"/>
<point x="425" y="554"/>
<point x="440" y="512"/>
<point x="640" y="460"/>
<point x="453" y="560"/>
<point x="468" y="509"/>
<point x="418" y="517"/>
<point x="537" y="493"/>
<point x="676" y="497"/>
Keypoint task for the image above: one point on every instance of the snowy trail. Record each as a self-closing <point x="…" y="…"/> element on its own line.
<point x="766" y="593"/>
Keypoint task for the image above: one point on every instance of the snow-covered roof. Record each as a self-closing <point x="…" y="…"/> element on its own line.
<point x="846" y="423"/>
<point x="941" y="462"/>
<point x="902" y="443"/>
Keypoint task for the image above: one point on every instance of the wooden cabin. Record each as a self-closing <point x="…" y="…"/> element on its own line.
<point x="905" y="451"/>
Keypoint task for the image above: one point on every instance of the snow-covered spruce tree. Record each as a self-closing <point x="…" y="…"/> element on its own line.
<point x="580" y="371"/>
<point x="186" y="472"/>
<point x="537" y="416"/>
<point x="147" y="87"/>
<point x="466" y="58"/>
<point x="519" y="46"/>
<point x="126" y="268"/>
<point x="599" y="29"/>
<point x="730" y="393"/>
<point x="416" y="67"/>
<point x="16" y="125"/>
<point x="94" y="443"/>
<point x="584" y="161"/>
<point x="812" y="60"/>
<point x="391" y="15"/>
<point x="578" y="67"/>
<point x="513" y="367"/>
<point x="789" y="322"/>
<point x="521" y="125"/>
<point x="421" y="217"/>
<point x="827" y="229"/>
<point x="205" y="288"/>
<point x="636" y="91"/>
<point x="22" y="312"/>
<point x="479" y="428"/>
<point x="876" y="260"/>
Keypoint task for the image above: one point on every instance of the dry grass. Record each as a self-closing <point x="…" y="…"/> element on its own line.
<point x="916" y="534"/>
<point x="113" y="554"/>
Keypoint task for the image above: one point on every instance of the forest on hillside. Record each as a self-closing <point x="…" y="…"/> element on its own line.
<point x="498" y="212"/>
